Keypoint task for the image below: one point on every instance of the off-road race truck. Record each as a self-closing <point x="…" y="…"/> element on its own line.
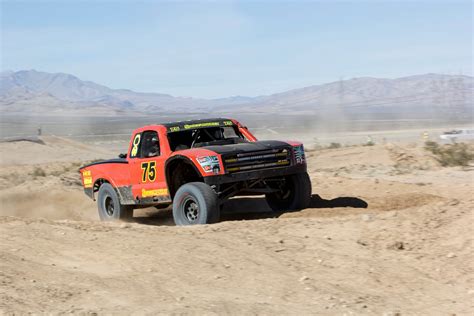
<point x="196" y="166"/>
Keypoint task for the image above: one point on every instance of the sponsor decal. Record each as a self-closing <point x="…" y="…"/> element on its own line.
<point x="87" y="178"/>
<point x="200" y="125"/>
<point x="154" y="192"/>
<point x="299" y="154"/>
<point x="209" y="164"/>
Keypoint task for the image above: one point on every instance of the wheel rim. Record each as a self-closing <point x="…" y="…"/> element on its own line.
<point x="190" y="209"/>
<point x="286" y="191"/>
<point x="109" y="206"/>
<point x="284" y="194"/>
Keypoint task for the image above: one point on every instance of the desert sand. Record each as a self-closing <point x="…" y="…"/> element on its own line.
<point x="389" y="232"/>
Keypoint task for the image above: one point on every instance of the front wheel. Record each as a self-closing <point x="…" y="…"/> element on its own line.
<point x="109" y="205"/>
<point x="294" y="193"/>
<point x="195" y="203"/>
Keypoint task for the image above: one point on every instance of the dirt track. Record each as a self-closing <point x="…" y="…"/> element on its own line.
<point x="409" y="251"/>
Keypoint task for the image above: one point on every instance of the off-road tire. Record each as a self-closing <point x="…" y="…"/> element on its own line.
<point x="296" y="195"/>
<point x="195" y="203"/>
<point x="109" y="205"/>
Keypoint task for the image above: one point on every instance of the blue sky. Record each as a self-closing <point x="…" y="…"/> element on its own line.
<point x="216" y="49"/>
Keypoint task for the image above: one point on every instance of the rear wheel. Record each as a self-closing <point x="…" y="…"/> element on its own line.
<point x="294" y="193"/>
<point x="195" y="203"/>
<point x="109" y="205"/>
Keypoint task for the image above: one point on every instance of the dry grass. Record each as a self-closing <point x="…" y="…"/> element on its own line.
<point x="38" y="172"/>
<point x="450" y="155"/>
<point x="334" y="145"/>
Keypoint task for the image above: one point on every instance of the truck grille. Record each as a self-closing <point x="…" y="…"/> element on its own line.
<point x="257" y="160"/>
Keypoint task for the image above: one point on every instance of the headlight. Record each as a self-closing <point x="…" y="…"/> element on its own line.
<point x="298" y="153"/>
<point x="209" y="164"/>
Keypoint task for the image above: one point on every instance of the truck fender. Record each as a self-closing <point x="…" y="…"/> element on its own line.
<point x="124" y="193"/>
<point x="176" y="159"/>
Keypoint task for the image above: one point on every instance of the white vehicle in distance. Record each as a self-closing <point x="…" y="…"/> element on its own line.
<point x="458" y="135"/>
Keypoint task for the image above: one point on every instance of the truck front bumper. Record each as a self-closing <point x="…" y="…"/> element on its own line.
<point x="254" y="174"/>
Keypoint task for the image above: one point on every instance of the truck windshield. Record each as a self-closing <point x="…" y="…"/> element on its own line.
<point x="202" y="137"/>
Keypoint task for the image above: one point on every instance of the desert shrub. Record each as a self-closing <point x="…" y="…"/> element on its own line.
<point x="458" y="154"/>
<point x="432" y="147"/>
<point x="39" y="172"/>
<point x="334" y="145"/>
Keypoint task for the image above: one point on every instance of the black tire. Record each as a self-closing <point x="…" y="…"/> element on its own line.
<point x="109" y="205"/>
<point x="295" y="195"/>
<point x="195" y="203"/>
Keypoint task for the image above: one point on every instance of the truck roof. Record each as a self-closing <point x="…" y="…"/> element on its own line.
<point x="194" y="124"/>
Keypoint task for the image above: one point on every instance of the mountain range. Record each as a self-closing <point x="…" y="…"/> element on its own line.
<point x="34" y="92"/>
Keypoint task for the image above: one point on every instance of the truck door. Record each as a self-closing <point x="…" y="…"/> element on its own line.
<point x="147" y="169"/>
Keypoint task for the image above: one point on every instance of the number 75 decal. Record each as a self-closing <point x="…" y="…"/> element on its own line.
<point x="149" y="171"/>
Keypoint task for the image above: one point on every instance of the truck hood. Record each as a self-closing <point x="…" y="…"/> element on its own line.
<point x="247" y="147"/>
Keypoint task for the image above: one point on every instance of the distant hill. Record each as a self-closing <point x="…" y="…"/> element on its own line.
<point x="60" y="85"/>
<point x="59" y="92"/>
<point x="428" y="95"/>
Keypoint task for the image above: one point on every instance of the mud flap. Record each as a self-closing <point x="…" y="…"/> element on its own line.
<point x="125" y="195"/>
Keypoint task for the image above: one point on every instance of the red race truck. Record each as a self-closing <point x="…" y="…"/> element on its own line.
<point x="196" y="166"/>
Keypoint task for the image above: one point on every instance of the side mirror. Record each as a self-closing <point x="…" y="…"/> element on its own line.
<point x="122" y="156"/>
